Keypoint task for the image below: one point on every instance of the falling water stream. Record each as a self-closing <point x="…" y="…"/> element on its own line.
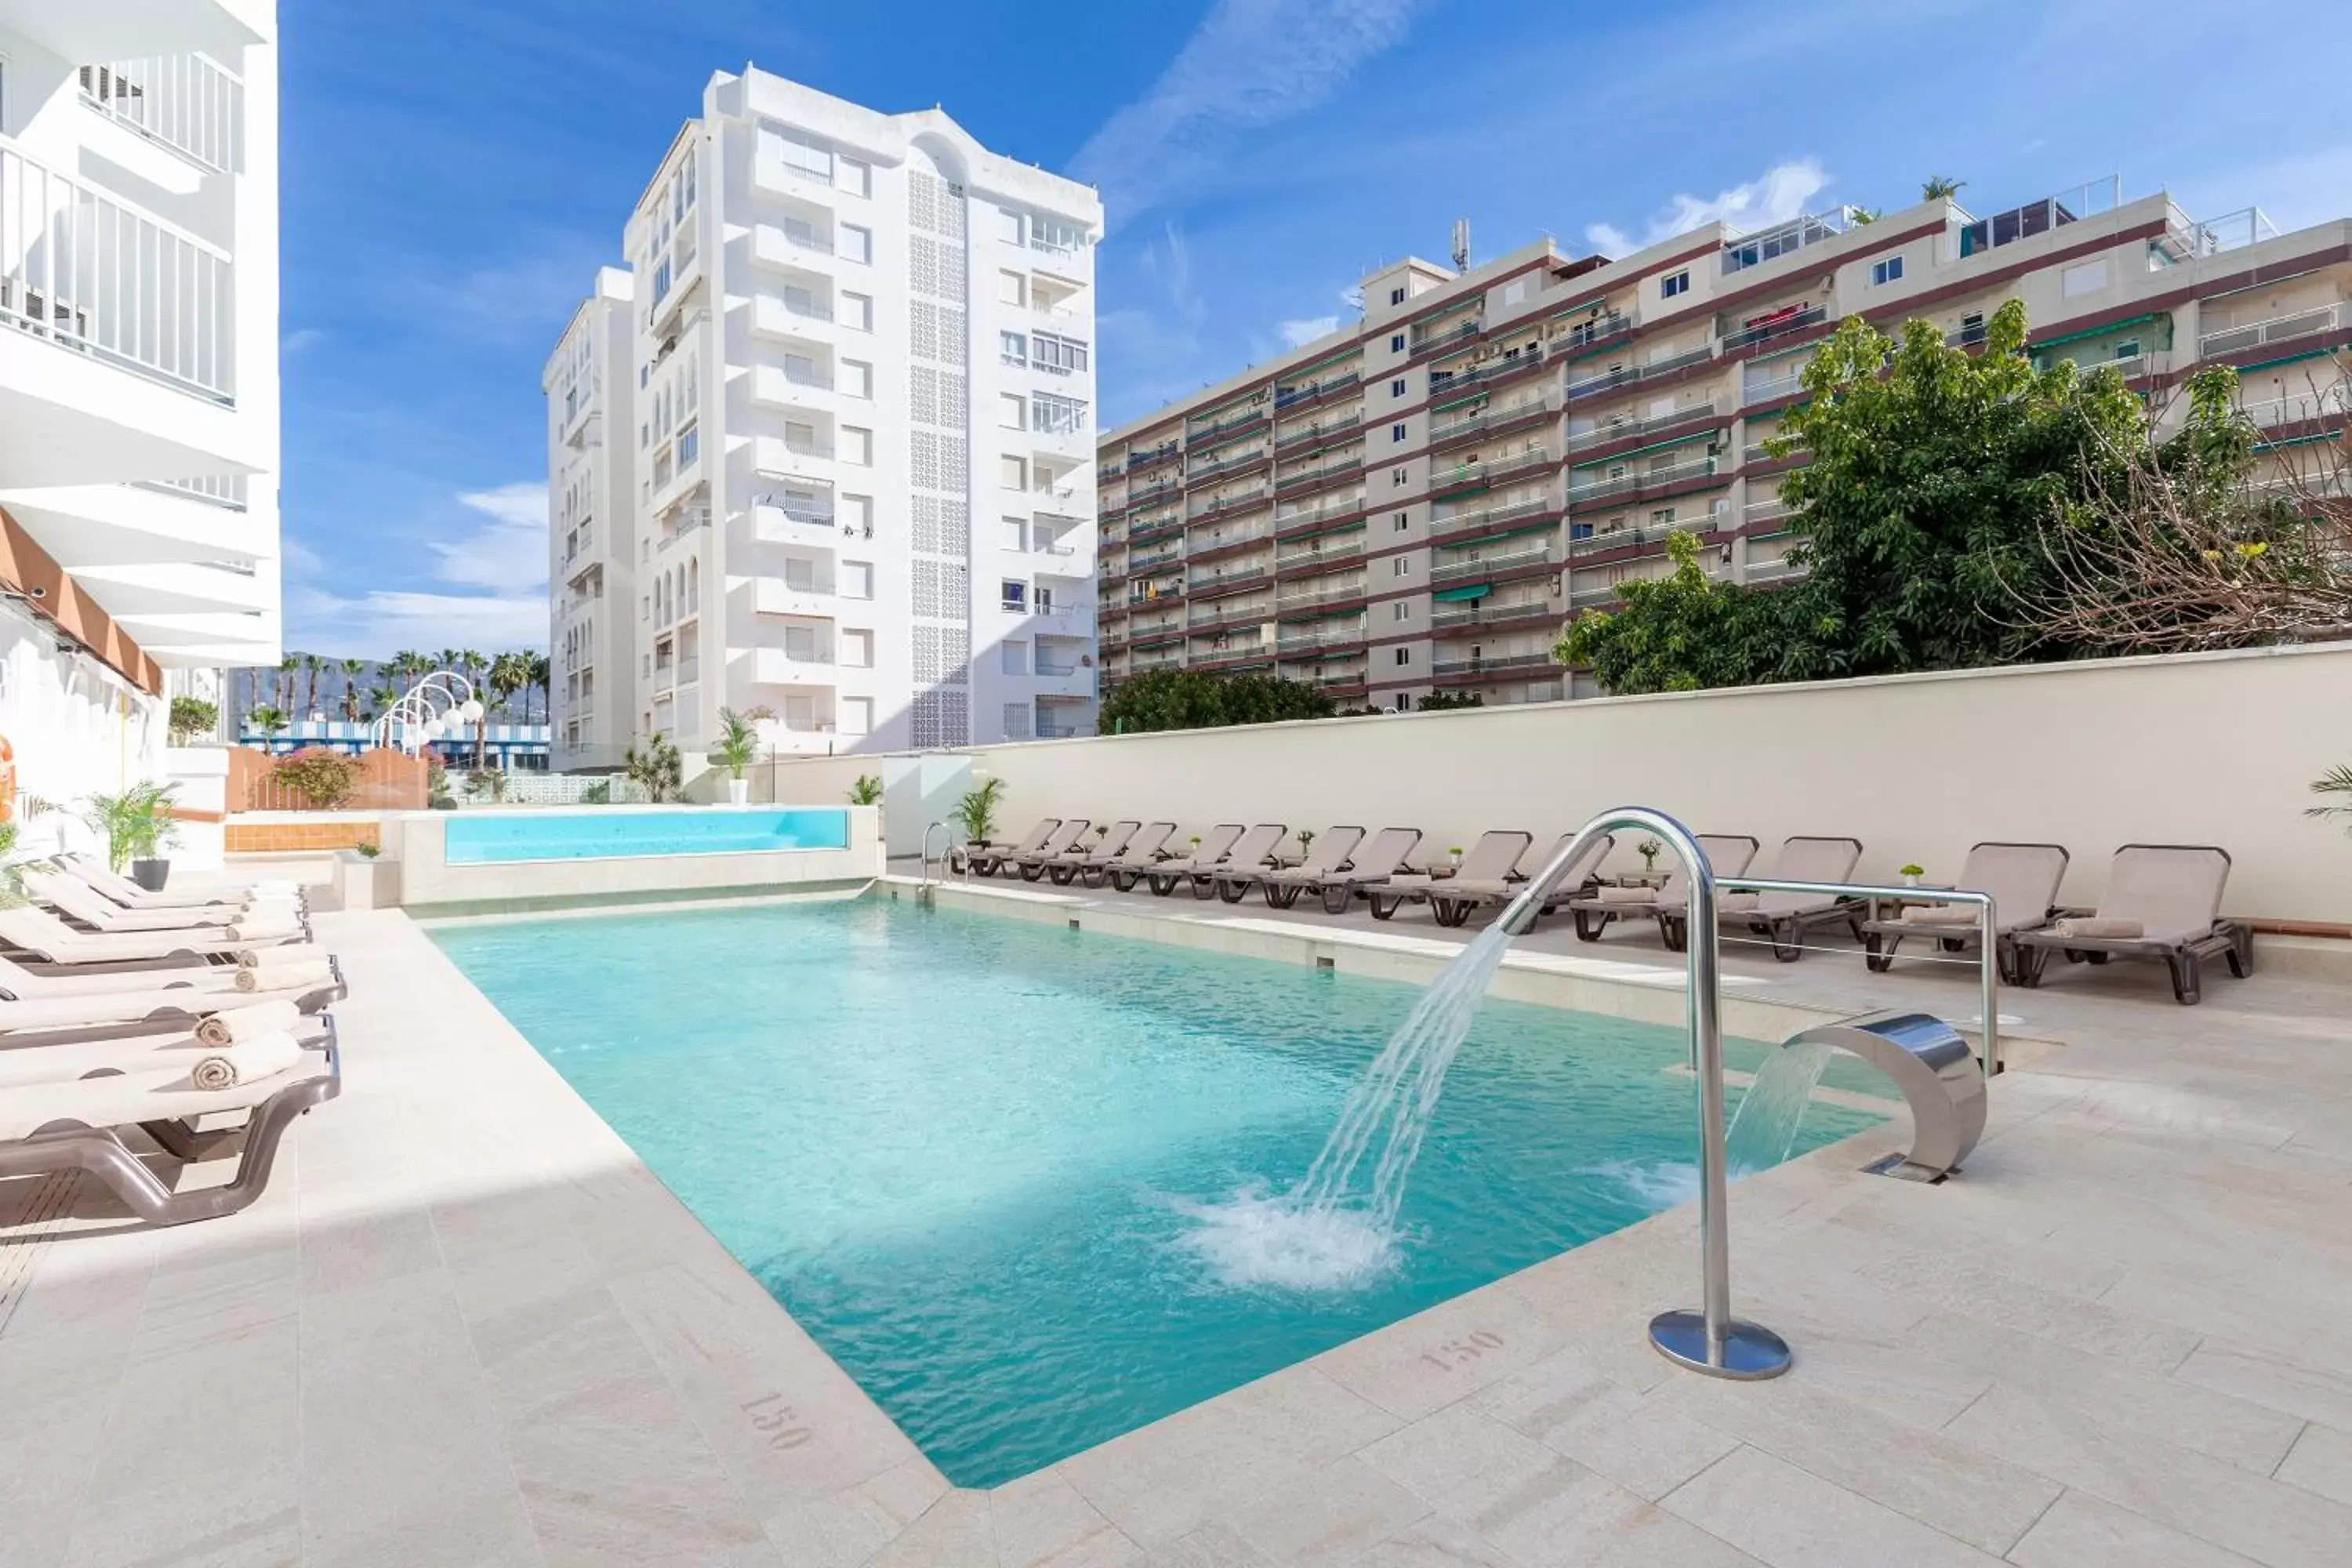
<point x="1765" y="1129"/>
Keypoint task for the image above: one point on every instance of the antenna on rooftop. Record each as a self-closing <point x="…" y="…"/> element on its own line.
<point x="1461" y="245"/>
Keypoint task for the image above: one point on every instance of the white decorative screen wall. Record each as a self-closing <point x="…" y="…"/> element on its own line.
<point x="939" y="462"/>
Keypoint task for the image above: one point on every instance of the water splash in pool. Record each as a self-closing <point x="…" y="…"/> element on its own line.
<point x="1765" y="1129"/>
<point x="1332" y="1231"/>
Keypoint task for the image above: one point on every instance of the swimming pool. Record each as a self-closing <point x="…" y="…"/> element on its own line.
<point x="971" y="1155"/>
<point x="638" y="831"/>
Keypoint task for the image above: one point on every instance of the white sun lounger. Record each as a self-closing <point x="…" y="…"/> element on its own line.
<point x="76" y="900"/>
<point x="41" y="933"/>
<point x="46" y="1003"/>
<point x="131" y="895"/>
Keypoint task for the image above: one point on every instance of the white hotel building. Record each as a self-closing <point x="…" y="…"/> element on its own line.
<point x="858" y="408"/>
<point x="139" y="445"/>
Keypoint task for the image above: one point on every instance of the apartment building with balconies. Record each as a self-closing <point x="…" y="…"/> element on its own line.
<point x="1487" y="454"/>
<point x="591" y="534"/>
<point x="138" y="411"/>
<point x="860" y="402"/>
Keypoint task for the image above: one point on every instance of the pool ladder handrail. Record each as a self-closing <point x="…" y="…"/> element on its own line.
<point x="927" y="850"/>
<point x="1710" y="1340"/>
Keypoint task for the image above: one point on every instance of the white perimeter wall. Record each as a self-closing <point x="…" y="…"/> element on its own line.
<point x="2211" y="749"/>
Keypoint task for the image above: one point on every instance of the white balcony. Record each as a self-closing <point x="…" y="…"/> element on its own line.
<point x="1067" y="678"/>
<point x="117" y="29"/>
<point x="190" y="103"/>
<point x="796" y="522"/>
<point x="780" y="457"/>
<point x="2277" y="329"/>
<point x="792" y="244"/>
<point x="794" y="320"/>
<point x="805" y="668"/>
<point x="775" y="596"/>
<point x="117" y="336"/>
<point x="777" y="386"/>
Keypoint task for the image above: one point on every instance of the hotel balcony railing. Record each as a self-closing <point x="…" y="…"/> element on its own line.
<point x="2276" y="330"/>
<point x="1465" y="570"/>
<point x="1226" y="421"/>
<point x="1632" y="374"/>
<point x="226" y="490"/>
<point x="1157" y="661"/>
<point x="1217" y="506"/>
<point x="1599" y="434"/>
<point x="1650" y="537"/>
<point x="1450" y="332"/>
<point x="1478" y="614"/>
<point x="1496" y="665"/>
<point x="2302" y="408"/>
<point x="2041" y="216"/>
<point x="1640" y="480"/>
<point x="1142" y="495"/>
<point x="1233" y="647"/>
<point x="2131" y="367"/>
<point x="1058" y="731"/>
<point x="1225" y="613"/>
<point x="1287" y="396"/>
<point x="1461" y="381"/>
<point x="1143" y="529"/>
<point x="1319" y="590"/>
<point x="1301" y="559"/>
<point x="190" y="103"/>
<point x="1232" y="574"/>
<point x="2191" y="237"/>
<point x="1197" y="473"/>
<point x="1486" y="470"/>
<point x="1158" y="454"/>
<point x="1322" y="636"/>
<point x="1148" y="560"/>
<point x="1330" y="506"/>
<point x="1355" y="672"/>
<point x="1478" y="520"/>
<point x="1321" y="430"/>
<point x="1772" y="511"/>
<point x="1322" y="473"/>
<point x="1763" y="389"/>
<point x="1201" y="543"/>
<point x="1480" y="419"/>
<point x="1591" y="334"/>
<point x="1760" y="452"/>
<point x="1767" y="331"/>
<point x="1777" y="570"/>
<point x="98" y="277"/>
<point x="1783" y="240"/>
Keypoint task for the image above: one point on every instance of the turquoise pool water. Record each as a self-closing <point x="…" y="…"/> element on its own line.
<point x="970" y="1154"/>
<point x="639" y="830"/>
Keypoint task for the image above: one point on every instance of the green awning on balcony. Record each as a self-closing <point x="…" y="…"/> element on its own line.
<point x="1293" y="376"/>
<point x="1453" y="595"/>
<point x="2040" y="343"/>
<point x="1465" y="398"/>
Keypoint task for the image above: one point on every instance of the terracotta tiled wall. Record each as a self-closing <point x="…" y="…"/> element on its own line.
<point x="273" y="837"/>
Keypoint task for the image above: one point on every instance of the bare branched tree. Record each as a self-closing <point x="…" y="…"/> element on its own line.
<point x="2227" y="532"/>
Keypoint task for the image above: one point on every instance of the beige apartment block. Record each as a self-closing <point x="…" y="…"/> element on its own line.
<point x="1420" y="501"/>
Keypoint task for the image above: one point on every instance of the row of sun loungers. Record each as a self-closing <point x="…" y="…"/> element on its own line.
<point x="2163" y="901"/>
<point x="192" y="1015"/>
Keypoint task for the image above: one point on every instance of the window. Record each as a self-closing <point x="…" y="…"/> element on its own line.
<point x="1014" y="594"/>
<point x="1396" y="343"/>
<point x="1061" y="355"/>
<point x="1012" y="411"/>
<point x="855" y="175"/>
<point x="857" y="446"/>
<point x="1017" y="535"/>
<point x="858" y="311"/>
<point x="1397" y="478"/>
<point x="1396" y="432"/>
<point x="1055" y="234"/>
<point x="1662" y="516"/>
<point x="690" y="444"/>
<point x="1886" y="271"/>
<point x="856" y="378"/>
<point x="1403" y="656"/>
<point x="856" y="580"/>
<point x="1015" y="652"/>
<point x="1059" y="415"/>
<point x="857" y="649"/>
<point x="857" y="516"/>
<point x="857" y="715"/>
<point x="1674" y="283"/>
<point x="1400" y="565"/>
<point x="1008" y="226"/>
<point x="1404" y="522"/>
<point x="1012" y="473"/>
<point x="1396" y="296"/>
<point x="802" y="153"/>
<point x="1396" y="387"/>
<point x="1402" y="610"/>
<point x="1013" y="347"/>
<point x="1017" y="720"/>
<point x="853" y="243"/>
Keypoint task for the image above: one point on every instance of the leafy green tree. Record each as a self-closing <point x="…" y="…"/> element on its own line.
<point x="1940" y="187"/>
<point x="1677" y="633"/>
<point x="1437" y="702"/>
<point x="191" y="717"/>
<point x="655" y="767"/>
<point x="1197" y="700"/>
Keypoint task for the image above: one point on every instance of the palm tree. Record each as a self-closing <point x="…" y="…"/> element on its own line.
<point x="2334" y="781"/>
<point x="352" y="670"/>
<point x="286" y="669"/>
<point x="509" y="673"/>
<point x="270" y="721"/>
<point x="541" y="673"/>
<point x="404" y="668"/>
<point x="1940" y="187"/>
<point x="311" y="662"/>
<point x="380" y="701"/>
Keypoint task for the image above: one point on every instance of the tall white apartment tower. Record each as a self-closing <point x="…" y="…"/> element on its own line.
<point x="592" y="535"/>
<point x="861" y="406"/>
<point x="139" y="428"/>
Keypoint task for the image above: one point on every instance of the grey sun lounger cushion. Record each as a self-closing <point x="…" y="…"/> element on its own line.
<point x="1726" y="856"/>
<point x="1379" y="861"/>
<point x="1062" y="840"/>
<point x="1207" y="854"/>
<point x="984" y="857"/>
<point x="1333" y="854"/>
<point x="1141" y="851"/>
<point x="1802" y="858"/>
<point x="1491" y="861"/>
<point x="2173" y="893"/>
<point x="1242" y="856"/>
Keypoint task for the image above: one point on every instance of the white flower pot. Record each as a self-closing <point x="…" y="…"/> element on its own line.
<point x="1911" y="878"/>
<point x="738" y="792"/>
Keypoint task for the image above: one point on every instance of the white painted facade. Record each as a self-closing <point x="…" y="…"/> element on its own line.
<point x="862" y="412"/>
<point x="139" y="390"/>
<point x="591" y="528"/>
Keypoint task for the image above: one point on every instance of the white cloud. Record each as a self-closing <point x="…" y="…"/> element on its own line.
<point x="1251" y="63"/>
<point x="1298" y="332"/>
<point x="504" y="553"/>
<point x="1783" y="191"/>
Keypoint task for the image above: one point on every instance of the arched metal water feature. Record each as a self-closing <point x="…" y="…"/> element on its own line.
<point x="436" y="707"/>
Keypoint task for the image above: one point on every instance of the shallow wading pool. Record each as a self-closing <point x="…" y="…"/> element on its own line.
<point x="1007" y="1174"/>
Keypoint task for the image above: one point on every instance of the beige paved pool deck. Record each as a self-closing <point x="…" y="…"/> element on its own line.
<point x="466" y="1327"/>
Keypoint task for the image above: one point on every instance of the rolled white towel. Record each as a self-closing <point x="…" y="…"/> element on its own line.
<point x="247" y="1061"/>
<point x="306" y="976"/>
<point x="249" y="1022"/>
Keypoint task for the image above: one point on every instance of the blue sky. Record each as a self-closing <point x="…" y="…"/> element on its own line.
<point x="454" y="172"/>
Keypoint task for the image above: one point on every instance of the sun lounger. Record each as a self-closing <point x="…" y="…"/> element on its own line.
<point x="1210" y="846"/>
<point x="56" y="1057"/>
<point x="1493" y="859"/>
<point x="2163" y="901"/>
<point x="981" y="859"/>
<point x="1388" y="853"/>
<point x="1579" y="878"/>
<point x="39" y="933"/>
<point x="2023" y="881"/>
<point x="77" y="901"/>
<point x="1728" y="855"/>
<point x="30" y="1001"/>
<point x="1250" y="851"/>
<point x="1328" y="855"/>
<point x="63" y="1125"/>
<point x="1783" y="919"/>
<point x="131" y="895"/>
<point x="1109" y="843"/>
<point x="1143" y="851"/>
<point x="1067" y="840"/>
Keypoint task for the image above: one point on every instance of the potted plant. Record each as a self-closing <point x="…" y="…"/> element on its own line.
<point x="1648" y="850"/>
<point x="137" y="825"/>
<point x="866" y="791"/>
<point x="1911" y="874"/>
<point x="738" y="744"/>
<point x="975" y="812"/>
<point x="1453" y="857"/>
